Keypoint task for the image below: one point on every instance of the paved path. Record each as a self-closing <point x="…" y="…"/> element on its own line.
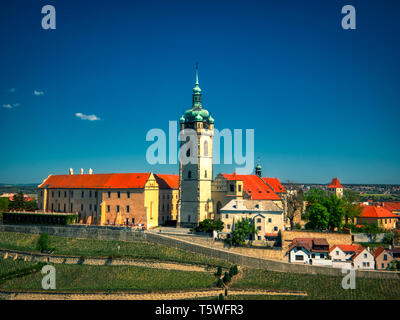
<point x="96" y="261"/>
<point x="139" y="296"/>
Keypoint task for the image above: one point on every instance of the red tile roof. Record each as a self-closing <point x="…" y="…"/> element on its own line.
<point x="376" y="212"/>
<point x="275" y="184"/>
<point x="167" y="181"/>
<point x="255" y="187"/>
<point x="378" y="251"/>
<point x="97" y="181"/>
<point x="348" y="248"/>
<point x="392" y="206"/>
<point x="335" y="183"/>
<point x="308" y="244"/>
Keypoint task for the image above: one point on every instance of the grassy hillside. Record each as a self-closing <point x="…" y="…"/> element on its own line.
<point x="83" y="278"/>
<point x="318" y="286"/>
<point x="104" y="248"/>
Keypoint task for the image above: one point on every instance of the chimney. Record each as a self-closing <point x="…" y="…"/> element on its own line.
<point x="368" y="249"/>
<point x="81" y="170"/>
<point x="90" y="171"/>
<point x="71" y="171"/>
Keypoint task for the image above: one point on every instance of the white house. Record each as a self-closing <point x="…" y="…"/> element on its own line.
<point x="309" y="250"/>
<point x="351" y="255"/>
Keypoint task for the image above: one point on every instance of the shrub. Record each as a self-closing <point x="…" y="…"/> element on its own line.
<point x="219" y="271"/>
<point x="227" y="278"/>
<point x="221" y="296"/>
<point x="220" y="283"/>
<point x="297" y="226"/>
<point x="43" y="243"/>
<point x="235" y="270"/>
<point x="209" y="226"/>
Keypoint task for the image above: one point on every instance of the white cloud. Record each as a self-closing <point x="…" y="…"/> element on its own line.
<point x="90" y="117"/>
<point x="8" y="106"/>
<point x="38" y="93"/>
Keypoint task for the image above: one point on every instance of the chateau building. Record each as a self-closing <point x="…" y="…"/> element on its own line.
<point x="195" y="178"/>
<point x="226" y="187"/>
<point x="169" y="197"/>
<point x="111" y="199"/>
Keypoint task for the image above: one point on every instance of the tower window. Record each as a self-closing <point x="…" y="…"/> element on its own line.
<point x="205" y="148"/>
<point x="188" y="153"/>
<point x="190" y="174"/>
<point x="205" y="174"/>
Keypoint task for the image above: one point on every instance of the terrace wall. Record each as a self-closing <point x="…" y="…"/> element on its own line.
<point x="236" y="258"/>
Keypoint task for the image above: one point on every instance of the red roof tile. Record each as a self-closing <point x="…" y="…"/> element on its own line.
<point x="275" y="184"/>
<point x="376" y="212"/>
<point x="97" y="181"/>
<point x="392" y="206"/>
<point x="167" y="181"/>
<point x="255" y="187"/>
<point x="335" y="183"/>
<point x="348" y="248"/>
<point x="378" y="251"/>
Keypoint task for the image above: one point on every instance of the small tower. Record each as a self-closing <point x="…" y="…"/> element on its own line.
<point x="258" y="169"/>
<point x="195" y="203"/>
<point x="336" y="187"/>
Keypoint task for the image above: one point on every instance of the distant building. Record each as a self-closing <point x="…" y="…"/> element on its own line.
<point x="309" y="251"/>
<point x="378" y="214"/>
<point x="11" y="196"/>
<point x="336" y="187"/>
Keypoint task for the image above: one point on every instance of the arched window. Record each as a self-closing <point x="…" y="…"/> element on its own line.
<point x="190" y="174"/>
<point x="205" y="146"/>
<point x="188" y="152"/>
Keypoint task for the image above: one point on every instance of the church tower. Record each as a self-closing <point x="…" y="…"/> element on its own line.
<point x="195" y="178"/>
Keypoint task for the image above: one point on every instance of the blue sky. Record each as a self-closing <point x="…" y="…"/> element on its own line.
<point x="323" y="101"/>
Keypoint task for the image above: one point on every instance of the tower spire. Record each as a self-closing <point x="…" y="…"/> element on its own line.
<point x="196" y="91"/>
<point x="197" y="73"/>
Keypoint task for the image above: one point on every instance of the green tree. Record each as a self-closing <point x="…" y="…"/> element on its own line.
<point x="315" y="195"/>
<point x="43" y="243"/>
<point x="219" y="271"/>
<point x="30" y="205"/>
<point x="351" y="207"/>
<point x="208" y="225"/>
<point x="335" y="207"/>
<point x="294" y="203"/>
<point x="243" y="229"/>
<point x="17" y="202"/>
<point x="4" y="203"/>
<point x="318" y="216"/>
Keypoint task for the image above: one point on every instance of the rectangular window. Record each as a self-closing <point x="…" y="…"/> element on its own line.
<point x="83" y="194"/>
<point x="72" y="207"/>
<point x="127" y="208"/>
<point x="232" y="187"/>
<point x="228" y="226"/>
<point x="72" y="194"/>
<point x="259" y="228"/>
<point x="258" y="220"/>
<point x="275" y="228"/>
<point x="90" y="193"/>
<point x="383" y="265"/>
<point x="385" y="257"/>
<point x="226" y="216"/>
<point x="365" y="255"/>
<point x="82" y="207"/>
<point x="95" y="207"/>
<point x="52" y="194"/>
<point x="240" y="187"/>
<point x="119" y="194"/>
<point x="95" y="194"/>
<point x="65" y="194"/>
<point x="109" y="194"/>
<point x="117" y="208"/>
<point x="269" y="220"/>
<point x="299" y="258"/>
<point x="128" y="194"/>
<point x="108" y="208"/>
<point x="59" y="194"/>
<point x="90" y="207"/>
